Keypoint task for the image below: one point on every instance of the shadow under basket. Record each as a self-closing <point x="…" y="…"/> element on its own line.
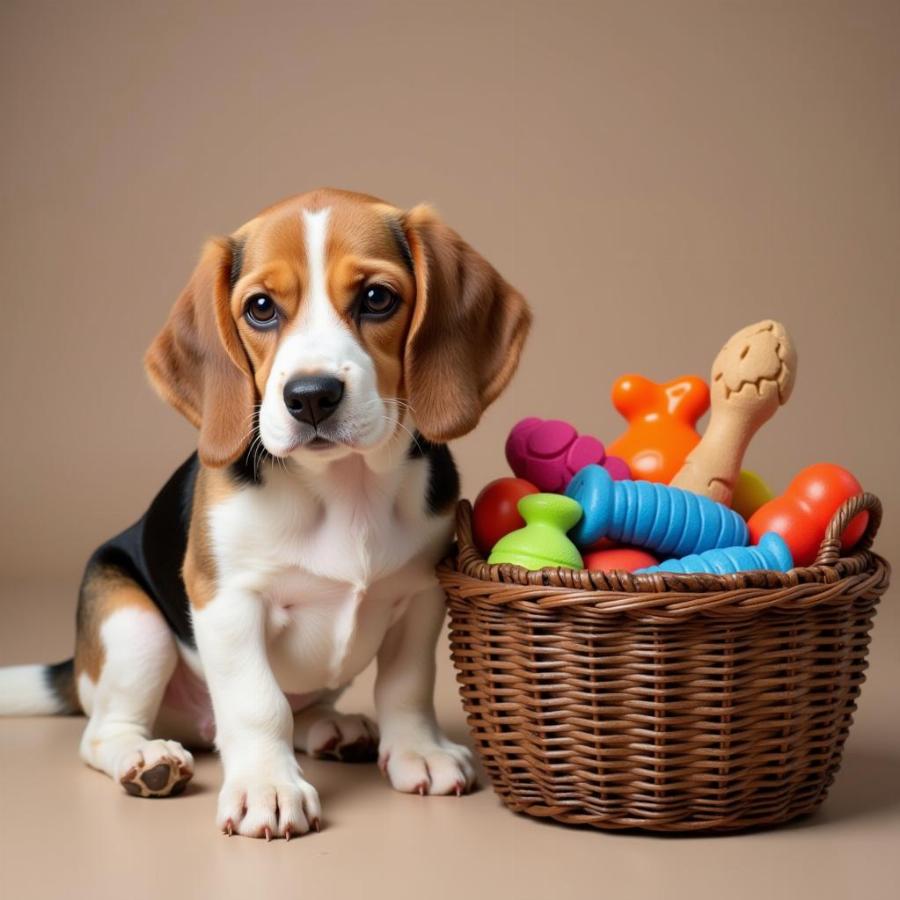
<point x="664" y="702"/>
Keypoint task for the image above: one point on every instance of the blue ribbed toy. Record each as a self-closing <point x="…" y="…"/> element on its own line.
<point x="664" y="519"/>
<point x="770" y="553"/>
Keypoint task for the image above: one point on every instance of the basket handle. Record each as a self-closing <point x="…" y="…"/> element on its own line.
<point x="830" y="549"/>
<point x="464" y="537"/>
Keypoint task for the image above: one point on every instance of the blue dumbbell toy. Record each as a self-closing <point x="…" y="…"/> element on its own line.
<point x="770" y="553"/>
<point x="663" y="519"/>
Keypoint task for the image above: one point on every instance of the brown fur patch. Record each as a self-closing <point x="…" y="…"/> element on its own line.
<point x="105" y="590"/>
<point x="361" y="250"/>
<point x="274" y="263"/>
<point x="213" y="486"/>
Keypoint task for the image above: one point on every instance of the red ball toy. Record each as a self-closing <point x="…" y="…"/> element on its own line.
<point x="802" y="513"/>
<point x="496" y="512"/>
<point x="625" y="558"/>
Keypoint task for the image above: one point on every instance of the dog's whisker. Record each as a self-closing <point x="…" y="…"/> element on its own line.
<point x="396" y="423"/>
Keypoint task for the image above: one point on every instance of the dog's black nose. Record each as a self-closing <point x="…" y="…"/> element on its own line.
<point x="313" y="398"/>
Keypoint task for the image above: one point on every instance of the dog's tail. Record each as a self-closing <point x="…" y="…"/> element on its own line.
<point x="37" y="690"/>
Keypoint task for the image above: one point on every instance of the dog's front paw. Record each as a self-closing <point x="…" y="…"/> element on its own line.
<point x="155" y="769"/>
<point x="427" y="765"/>
<point x="257" y="806"/>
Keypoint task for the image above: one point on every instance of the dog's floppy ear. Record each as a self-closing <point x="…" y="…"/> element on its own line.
<point x="198" y="365"/>
<point x="467" y="330"/>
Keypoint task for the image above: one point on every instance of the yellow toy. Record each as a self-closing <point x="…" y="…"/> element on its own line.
<point x="750" y="493"/>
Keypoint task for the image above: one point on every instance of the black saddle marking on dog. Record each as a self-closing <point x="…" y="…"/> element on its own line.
<point x="443" y="476"/>
<point x="151" y="552"/>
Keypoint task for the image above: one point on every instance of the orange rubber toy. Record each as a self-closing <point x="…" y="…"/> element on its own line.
<point x="662" y="421"/>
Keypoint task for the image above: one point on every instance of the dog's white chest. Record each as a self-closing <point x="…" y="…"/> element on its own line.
<point x="333" y="571"/>
<point x="322" y="634"/>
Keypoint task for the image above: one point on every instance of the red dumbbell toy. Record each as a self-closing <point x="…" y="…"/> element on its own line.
<point x="495" y="513"/>
<point x="802" y="513"/>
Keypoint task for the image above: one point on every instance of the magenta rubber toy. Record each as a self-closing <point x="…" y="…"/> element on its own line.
<point x="548" y="453"/>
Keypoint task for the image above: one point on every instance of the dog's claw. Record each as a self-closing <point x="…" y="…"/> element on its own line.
<point x="459" y="789"/>
<point x="422" y="789"/>
<point x="316" y="824"/>
<point x="287" y="834"/>
<point x="229" y="827"/>
<point x="268" y="833"/>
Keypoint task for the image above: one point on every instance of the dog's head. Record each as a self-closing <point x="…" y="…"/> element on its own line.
<point x="336" y="319"/>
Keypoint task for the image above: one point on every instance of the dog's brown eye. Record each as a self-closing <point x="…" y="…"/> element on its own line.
<point x="377" y="301"/>
<point x="261" y="311"/>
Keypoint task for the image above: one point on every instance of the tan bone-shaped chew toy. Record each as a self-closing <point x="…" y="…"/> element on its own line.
<point x="751" y="377"/>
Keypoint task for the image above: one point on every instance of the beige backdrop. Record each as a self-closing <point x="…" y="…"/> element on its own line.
<point x="650" y="181"/>
<point x="651" y="176"/>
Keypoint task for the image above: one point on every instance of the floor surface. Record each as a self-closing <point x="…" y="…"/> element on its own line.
<point x="68" y="832"/>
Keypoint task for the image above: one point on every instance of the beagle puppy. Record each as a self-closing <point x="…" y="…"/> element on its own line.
<point x="326" y="351"/>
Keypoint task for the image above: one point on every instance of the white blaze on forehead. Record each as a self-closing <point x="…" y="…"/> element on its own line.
<point x="315" y="233"/>
<point x="318" y="340"/>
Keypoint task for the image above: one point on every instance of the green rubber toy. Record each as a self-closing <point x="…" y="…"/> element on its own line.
<point x="543" y="540"/>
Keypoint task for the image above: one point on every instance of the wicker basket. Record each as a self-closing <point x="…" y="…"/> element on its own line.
<point x="664" y="702"/>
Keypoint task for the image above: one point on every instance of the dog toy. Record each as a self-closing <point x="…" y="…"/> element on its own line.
<point x="624" y="559"/>
<point x="751" y="377"/>
<point x="802" y="513"/>
<point x="771" y="553"/>
<point x="661" y="423"/>
<point x="548" y="452"/>
<point x="496" y="511"/>
<point x="543" y="541"/>
<point x="750" y="493"/>
<point x="665" y="520"/>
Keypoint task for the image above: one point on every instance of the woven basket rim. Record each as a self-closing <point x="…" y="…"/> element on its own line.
<point x="667" y="594"/>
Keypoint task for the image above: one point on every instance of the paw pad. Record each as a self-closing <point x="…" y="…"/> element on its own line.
<point x="165" y="779"/>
